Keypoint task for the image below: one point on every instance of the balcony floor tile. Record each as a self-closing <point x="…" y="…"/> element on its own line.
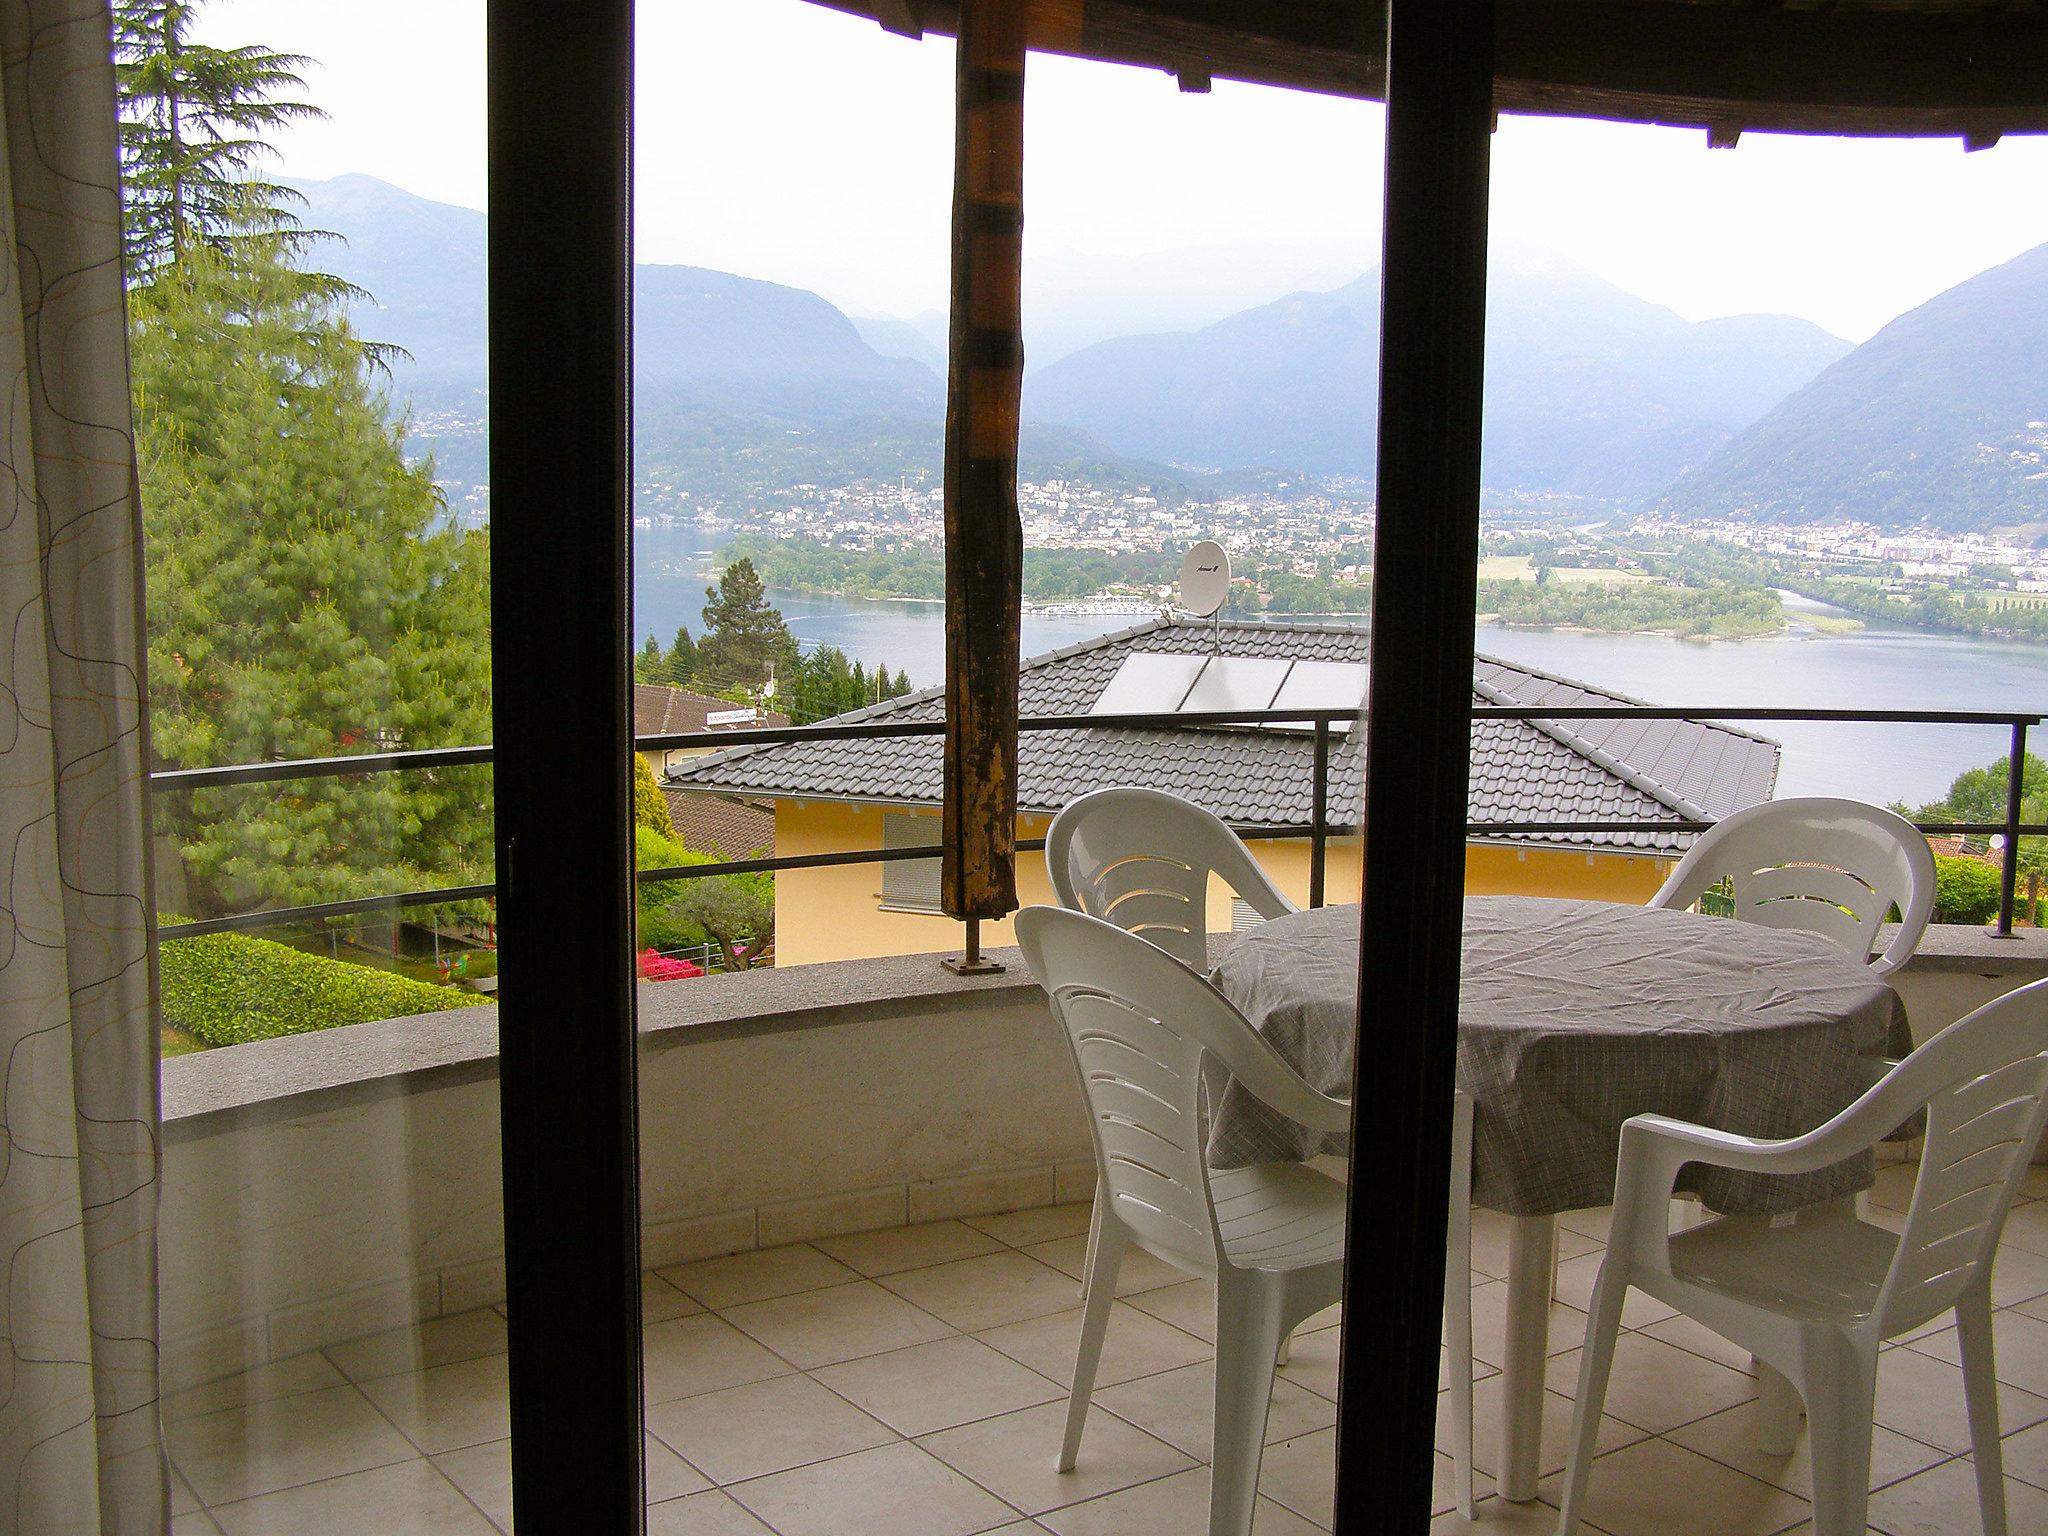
<point x="761" y="1275"/>
<point x="785" y="1387"/>
<point x="765" y="1426"/>
<point x="998" y="1288"/>
<point x="411" y="1496"/>
<point x="1040" y="1224"/>
<point x="702" y="1354"/>
<point x="896" y="1249"/>
<point x="842" y="1322"/>
<point x="713" y="1513"/>
<point x="1656" y="1488"/>
<point x="1012" y="1456"/>
<point x="936" y="1386"/>
<point x="1135" y="1345"/>
<point x="896" y="1490"/>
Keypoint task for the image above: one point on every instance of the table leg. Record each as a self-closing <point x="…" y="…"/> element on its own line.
<point x="1532" y="1245"/>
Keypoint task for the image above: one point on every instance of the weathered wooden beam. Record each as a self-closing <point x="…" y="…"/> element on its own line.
<point x="1762" y="68"/>
<point x="1418" y="753"/>
<point x="984" y="540"/>
<point x="901" y="17"/>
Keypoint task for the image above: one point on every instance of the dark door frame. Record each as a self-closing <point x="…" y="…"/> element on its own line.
<point x="1418" y="754"/>
<point x="560" y="117"/>
<point x="560" y="272"/>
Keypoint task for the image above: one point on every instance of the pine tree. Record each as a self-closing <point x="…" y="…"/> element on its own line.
<point x="745" y="640"/>
<point x="192" y="124"/>
<point x="682" y="656"/>
<point x="307" y="595"/>
<point x="307" y="598"/>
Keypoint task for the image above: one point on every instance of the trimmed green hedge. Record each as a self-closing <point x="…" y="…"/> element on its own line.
<point x="228" y="988"/>
<point x="1965" y="890"/>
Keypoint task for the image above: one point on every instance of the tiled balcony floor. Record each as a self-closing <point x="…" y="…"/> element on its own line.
<point x="908" y="1382"/>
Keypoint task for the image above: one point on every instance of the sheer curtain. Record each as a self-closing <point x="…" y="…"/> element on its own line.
<point x="80" y="1447"/>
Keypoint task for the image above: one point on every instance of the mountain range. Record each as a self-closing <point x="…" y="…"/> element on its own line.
<point x="738" y="384"/>
<point x="1591" y="392"/>
<point x="1940" y="418"/>
<point x="736" y="343"/>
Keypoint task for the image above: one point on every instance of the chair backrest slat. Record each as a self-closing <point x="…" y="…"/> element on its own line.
<point x="1143" y="1083"/>
<point x="1146" y="1031"/>
<point x="1984" y="1081"/>
<point x="1813" y="897"/>
<point x="1143" y="859"/>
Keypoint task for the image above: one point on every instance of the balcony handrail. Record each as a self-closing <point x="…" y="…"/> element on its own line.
<point x="232" y="774"/>
<point x="1320" y="830"/>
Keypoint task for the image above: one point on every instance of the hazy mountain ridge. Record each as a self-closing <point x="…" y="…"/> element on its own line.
<point x="1941" y="419"/>
<point x="1590" y="390"/>
<point x="739" y="384"/>
<point x="736" y="343"/>
<point x="922" y="339"/>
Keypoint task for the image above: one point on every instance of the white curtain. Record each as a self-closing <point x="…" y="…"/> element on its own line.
<point x="80" y="1443"/>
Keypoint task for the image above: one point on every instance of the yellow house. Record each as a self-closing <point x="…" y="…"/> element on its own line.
<point x="836" y="796"/>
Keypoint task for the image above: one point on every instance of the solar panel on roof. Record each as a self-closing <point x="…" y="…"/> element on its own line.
<point x="1149" y="683"/>
<point x="1237" y="682"/>
<point x="1324" y="685"/>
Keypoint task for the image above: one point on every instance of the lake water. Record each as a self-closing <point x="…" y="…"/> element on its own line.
<point x="1881" y="667"/>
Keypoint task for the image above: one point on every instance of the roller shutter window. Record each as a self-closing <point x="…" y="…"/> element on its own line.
<point x="910" y="885"/>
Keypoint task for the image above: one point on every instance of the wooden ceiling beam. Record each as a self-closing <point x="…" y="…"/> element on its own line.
<point x="1732" y="68"/>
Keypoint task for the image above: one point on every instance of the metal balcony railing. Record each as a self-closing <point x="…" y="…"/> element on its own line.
<point x="1318" y="833"/>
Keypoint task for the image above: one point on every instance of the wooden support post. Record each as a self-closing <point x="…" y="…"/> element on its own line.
<point x="1418" y="753"/>
<point x="984" y="541"/>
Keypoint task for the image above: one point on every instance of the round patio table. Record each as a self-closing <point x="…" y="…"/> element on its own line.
<point x="1573" y="1016"/>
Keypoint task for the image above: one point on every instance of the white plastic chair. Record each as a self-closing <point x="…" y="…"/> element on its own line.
<point x="1142" y="1027"/>
<point x="1833" y="867"/>
<point x="1141" y="859"/>
<point x="1814" y="1298"/>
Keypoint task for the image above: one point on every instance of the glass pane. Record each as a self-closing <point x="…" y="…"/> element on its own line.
<point x="308" y="344"/>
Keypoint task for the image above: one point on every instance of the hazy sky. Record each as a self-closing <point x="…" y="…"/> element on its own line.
<point x="761" y="126"/>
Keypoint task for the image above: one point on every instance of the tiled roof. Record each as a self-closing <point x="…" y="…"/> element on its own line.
<point x="659" y="710"/>
<point x="1673" y="771"/>
<point x="712" y="823"/>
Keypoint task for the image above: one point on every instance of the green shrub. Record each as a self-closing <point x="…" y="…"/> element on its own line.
<point x="227" y="988"/>
<point x="650" y="806"/>
<point x="662" y="850"/>
<point x="1965" y="891"/>
<point x="659" y="927"/>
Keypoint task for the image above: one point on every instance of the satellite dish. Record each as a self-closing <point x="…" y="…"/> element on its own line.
<point x="1205" y="579"/>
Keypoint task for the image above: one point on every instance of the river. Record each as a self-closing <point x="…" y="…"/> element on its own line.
<point x="1880" y="667"/>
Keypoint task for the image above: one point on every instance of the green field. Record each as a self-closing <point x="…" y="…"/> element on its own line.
<point x="1506" y="568"/>
<point x="1522" y="568"/>
<point x="1595" y="576"/>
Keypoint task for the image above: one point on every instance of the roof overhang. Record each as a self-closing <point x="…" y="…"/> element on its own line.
<point x="1909" y="68"/>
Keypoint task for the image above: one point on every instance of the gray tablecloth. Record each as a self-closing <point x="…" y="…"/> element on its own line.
<point x="1574" y="1016"/>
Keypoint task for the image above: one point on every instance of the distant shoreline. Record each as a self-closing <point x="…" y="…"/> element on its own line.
<point x="1102" y="603"/>
<point x="1816" y="624"/>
